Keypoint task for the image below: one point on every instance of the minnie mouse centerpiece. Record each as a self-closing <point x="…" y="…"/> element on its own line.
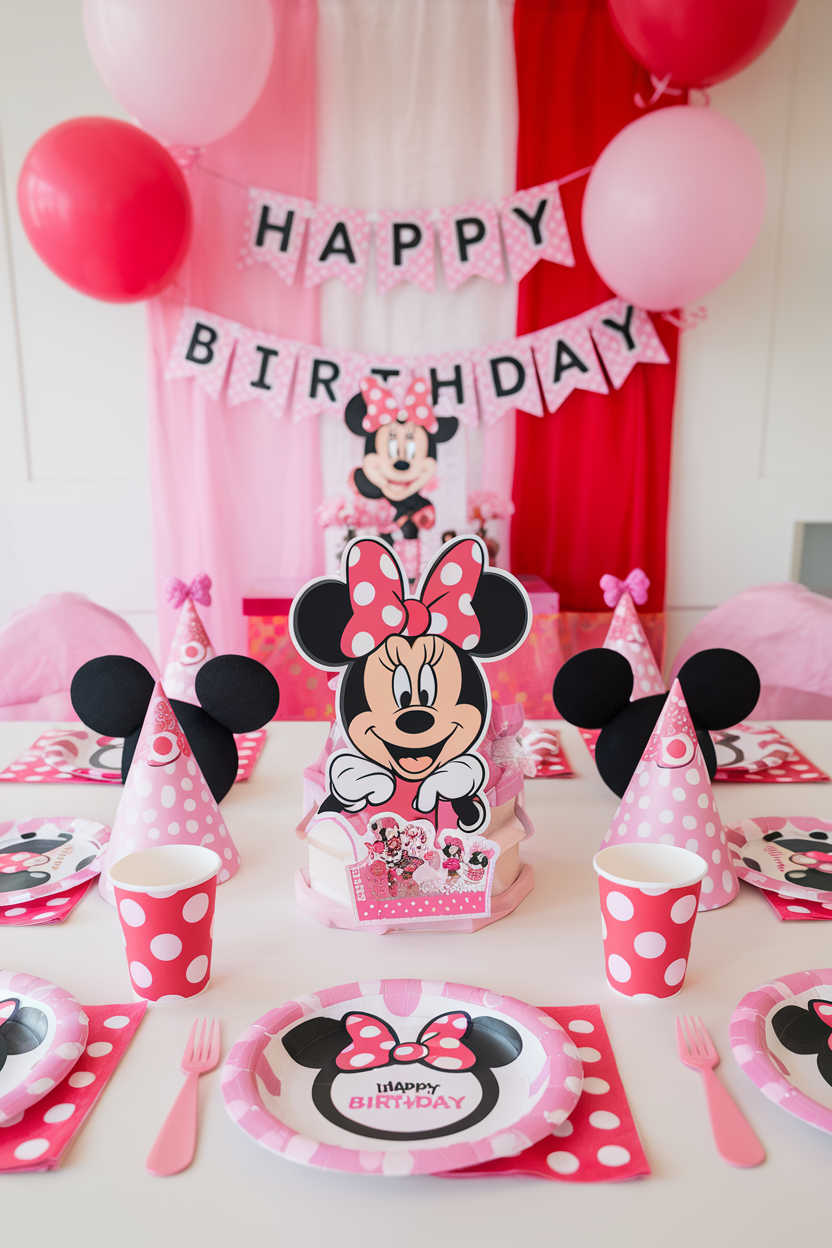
<point x="413" y="706"/>
<point x="399" y="454"/>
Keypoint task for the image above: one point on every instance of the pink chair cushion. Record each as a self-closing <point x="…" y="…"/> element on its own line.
<point x="42" y="647"/>
<point x="786" y="632"/>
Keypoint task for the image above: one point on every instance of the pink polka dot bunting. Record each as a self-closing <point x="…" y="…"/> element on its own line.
<point x="166" y="800"/>
<point x="339" y="240"/>
<point x="631" y="339"/>
<point x="669" y="801"/>
<point x="537" y="231"/>
<point x="405" y="250"/>
<point x="469" y="237"/>
<point x="190" y="650"/>
<point x="627" y="636"/>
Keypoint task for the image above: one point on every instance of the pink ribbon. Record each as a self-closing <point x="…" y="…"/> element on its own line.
<point x="199" y="590"/>
<point x="636" y="585"/>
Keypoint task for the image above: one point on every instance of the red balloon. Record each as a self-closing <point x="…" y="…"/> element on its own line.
<point x="698" y="42"/>
<point x="106" y="208"/>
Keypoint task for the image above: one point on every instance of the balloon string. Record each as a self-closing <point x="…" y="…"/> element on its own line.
<point x="686" y="318"/>
<point x="223" y="177"/>
<point x="661" y="86"/>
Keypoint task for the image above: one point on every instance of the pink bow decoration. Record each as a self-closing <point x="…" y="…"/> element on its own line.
<point x="636" y="584"/>
<point x="382" y="408"/>
<point x="380" y="609"/>
<point x="375" y="1044"/>
<point x="199" y="590"/>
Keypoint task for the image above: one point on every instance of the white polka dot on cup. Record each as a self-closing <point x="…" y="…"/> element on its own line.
<point x="197" y="969"/>
<point x="619" y="969"/>
<point x="195" y="908"/>
<point x="683" y="910"/>
<point x="675" y="973"/>
<point x="619" y="906"/>
<point x="131" y="912"/>
<point x="140" y="975"/>
<point x="649" y="944"/>
<point x="166" y="946"/>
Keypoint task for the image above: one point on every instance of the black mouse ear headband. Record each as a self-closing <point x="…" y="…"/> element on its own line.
<point x="593" y="690"/>
<point x="111" y="695"/>
<point x="480" y="610"/>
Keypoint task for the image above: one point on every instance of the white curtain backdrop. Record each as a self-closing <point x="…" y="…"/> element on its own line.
<point x="417" y="108"/>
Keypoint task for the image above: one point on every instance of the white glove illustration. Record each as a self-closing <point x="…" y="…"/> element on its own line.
<point x="355" y="781"/>
<point x="461" y="777"/>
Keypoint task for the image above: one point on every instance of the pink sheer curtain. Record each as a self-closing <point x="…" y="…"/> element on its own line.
<point x="234" y="490"/>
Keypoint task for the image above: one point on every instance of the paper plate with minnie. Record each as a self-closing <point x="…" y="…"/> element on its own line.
<point x="781" y="1035"/>
<point x="43" y="1031"/>
<point x="40" y="857"/>
<point x="401" y="1077"/>
<point x="791" y="856"/>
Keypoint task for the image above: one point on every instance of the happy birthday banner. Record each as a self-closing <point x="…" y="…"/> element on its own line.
<point x="530" y="225"/>
<point x="484" y="382"/>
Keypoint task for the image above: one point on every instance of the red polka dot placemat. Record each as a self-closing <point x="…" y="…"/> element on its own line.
<point x="37" y="765"/>
<point x="599" y="1140"/>
<point x="38" y="1138"/>
<point x="40" y="910"/>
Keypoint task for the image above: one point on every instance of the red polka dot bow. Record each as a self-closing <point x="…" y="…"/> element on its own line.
<point x="380" y="610"/>
<point x="375" y="1044"/>
<point x="382" y="408"/>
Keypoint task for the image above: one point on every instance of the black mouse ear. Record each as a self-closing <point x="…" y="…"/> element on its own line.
<point x="592" y="687"/>
<point x="25" y="1030"/>
<point x="319" y="615"/>
<point x="620" y="746"/>
<point x="721" y="687"/>
<point x="354" y="415"/>
<point x="495" y="1043"/>
<point x="316" y="1042"/>
<point x="213" y="745"/>
<point x="448" y="426"/>
<point x="111" y="694"/>
<point x="504" y="614"/>
<point x="799" y="1030"/>
<point x="240" y="693"/>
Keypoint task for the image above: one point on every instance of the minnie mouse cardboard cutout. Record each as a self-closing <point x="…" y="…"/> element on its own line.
<point x="413" y="705"/>
<point x="399" y="449"/>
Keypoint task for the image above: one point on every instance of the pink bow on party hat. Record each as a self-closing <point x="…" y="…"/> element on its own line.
<point x="199" y="590"/>
<point x="382" y="408"/>
<point x="636" y="584"/>
<point x="374" y="1044"/>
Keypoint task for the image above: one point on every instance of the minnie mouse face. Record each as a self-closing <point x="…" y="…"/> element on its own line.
<point x="400" y="442"/>
<point x="372" y="1084"/>
<point x="19" y="862"/>
<point x="811" y="859"/>
<point x="111" y="695"/>
<point x="415" y="718"/>
<point x="593" y="690"/>
<point x="413" y="700"/>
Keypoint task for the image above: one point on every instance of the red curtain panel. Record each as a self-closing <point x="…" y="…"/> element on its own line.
<point x="591" y="480"/>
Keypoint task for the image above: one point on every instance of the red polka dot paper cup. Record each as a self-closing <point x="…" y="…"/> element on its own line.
<point x="649" y="896"/>
<point x="165" y="900"/>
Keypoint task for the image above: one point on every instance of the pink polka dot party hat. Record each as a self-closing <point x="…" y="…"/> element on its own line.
<point x="166" y="800"/>
<point x="191" y="646"/>
<point x="626" y="634"/>
<point x="670" y="801"/>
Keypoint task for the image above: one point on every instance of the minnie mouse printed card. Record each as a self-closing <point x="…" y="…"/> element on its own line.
<point x="413" y="706"/>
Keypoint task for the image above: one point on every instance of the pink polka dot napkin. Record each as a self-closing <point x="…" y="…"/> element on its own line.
<point x="39" y="1137"/>
<point x="42" y="910"/>
<point x="599" y="1140"/>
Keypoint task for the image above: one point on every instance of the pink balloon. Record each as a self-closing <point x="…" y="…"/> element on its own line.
<point x="698" y="42"/>
<point x="188" y="70"/>
<point x="673" y="206"/>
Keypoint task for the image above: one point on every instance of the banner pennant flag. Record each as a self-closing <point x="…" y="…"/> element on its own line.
<point x="566" y="361"/>
<point x="202" y="349"/>
<point x="263" y="368"/>
<point x="325" y="381"/>
<point x="339" y="240"/>
<point x="625" y="336"/>
<point x="506" y="379"/>
<point x="534" y="228"/>
<point x="469" y="237"/>
<point x="405" y="250"/>
<point x="451" y="378"/>
<point x="275" y="230"/>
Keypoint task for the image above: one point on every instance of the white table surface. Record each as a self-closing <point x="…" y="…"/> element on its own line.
<point x="548" y="952"/>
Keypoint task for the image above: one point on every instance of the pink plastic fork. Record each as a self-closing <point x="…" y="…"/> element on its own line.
<point x="735" y="1141"/>
<point x="176" y="1142"/>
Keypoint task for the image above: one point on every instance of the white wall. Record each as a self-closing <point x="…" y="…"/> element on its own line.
<point x="753" y="446"/>
<point x="753" y="434"/>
